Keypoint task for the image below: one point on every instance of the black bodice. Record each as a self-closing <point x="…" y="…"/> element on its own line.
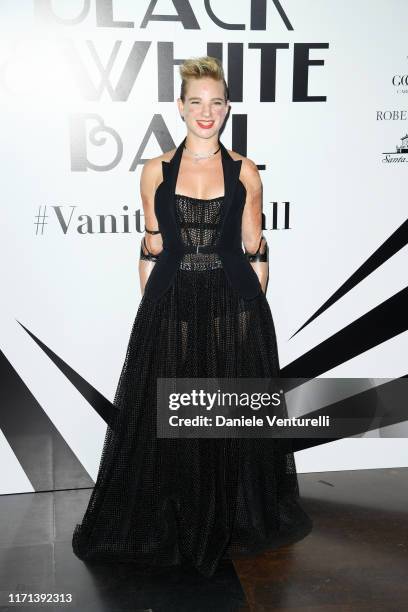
<point x="199" y="224"/>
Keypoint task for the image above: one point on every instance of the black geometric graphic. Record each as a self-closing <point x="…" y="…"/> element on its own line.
<point x="103" y="407"/>
<point x="371" y="329"/>
<point x="366" y="405"/>
<point x="46" y="458"/>
<point x="391" y="246"/>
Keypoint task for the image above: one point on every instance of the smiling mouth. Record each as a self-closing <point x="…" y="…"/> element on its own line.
<point x="205" y="124"/>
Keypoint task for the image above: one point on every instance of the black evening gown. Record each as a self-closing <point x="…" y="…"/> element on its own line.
<point x="160" y="502"/>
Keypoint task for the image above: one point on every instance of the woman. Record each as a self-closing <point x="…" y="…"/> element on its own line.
<point x="160" y="502"/>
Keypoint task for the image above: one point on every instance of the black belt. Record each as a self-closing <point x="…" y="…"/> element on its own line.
<point x="200" y="248"/>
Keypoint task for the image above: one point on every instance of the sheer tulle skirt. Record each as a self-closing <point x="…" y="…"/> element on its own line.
<point x="160" y="502"/>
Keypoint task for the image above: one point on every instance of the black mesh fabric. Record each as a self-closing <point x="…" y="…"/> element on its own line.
<point x="162" y="502"/>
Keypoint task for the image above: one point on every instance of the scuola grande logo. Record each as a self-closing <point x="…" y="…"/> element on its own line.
<point x="400" y="155"/>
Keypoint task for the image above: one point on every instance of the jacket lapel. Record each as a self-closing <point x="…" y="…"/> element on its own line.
<point x="231" y="168"/>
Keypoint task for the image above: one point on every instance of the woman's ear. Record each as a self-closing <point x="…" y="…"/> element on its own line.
<point x="180" y="107"/>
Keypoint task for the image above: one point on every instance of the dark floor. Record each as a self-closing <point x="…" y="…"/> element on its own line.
<point x="356" y="558"/>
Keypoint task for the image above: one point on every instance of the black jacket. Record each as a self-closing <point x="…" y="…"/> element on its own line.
<point x="237" y="268"/>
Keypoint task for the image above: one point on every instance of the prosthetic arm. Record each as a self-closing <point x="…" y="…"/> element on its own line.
<point x="255" y="245"/>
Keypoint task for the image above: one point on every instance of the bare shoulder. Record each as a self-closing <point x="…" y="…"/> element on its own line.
<point x="151" y="175"/>
<point x="154" y="163"/>
<point x="249" y="174"/>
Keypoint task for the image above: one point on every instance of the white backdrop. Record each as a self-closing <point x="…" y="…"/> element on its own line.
<point x="333" y="160"/>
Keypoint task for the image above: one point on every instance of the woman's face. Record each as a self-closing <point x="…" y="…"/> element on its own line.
<point x="204" y="108"/>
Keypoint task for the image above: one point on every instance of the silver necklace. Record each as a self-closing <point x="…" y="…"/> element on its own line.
<point x="198" y="156"/>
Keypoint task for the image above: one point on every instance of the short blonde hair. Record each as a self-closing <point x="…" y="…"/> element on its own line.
<point x="198" y="67"/>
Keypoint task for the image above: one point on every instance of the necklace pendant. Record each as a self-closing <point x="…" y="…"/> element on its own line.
<point x="198" y="156"/>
